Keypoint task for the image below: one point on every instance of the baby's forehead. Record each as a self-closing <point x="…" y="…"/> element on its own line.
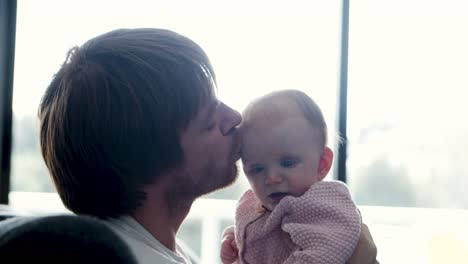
<point x="275" y="113"/>
<point x="265" y="138"/>
<point x="272" y="108"/>
<point x="283" y="126"/>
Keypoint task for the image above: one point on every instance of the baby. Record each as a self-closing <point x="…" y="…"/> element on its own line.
<point x="290" y="215"/>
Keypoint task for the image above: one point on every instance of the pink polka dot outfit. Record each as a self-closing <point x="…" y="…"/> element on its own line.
<point x="321" y="227"/>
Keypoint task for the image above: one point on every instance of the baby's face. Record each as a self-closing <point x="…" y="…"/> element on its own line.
<point x="280" y="157"/>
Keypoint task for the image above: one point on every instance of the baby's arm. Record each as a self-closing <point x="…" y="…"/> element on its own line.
<point x="229" y="251"/>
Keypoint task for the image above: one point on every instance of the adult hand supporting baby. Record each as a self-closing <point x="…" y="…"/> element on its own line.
<point x="366" y="251"/>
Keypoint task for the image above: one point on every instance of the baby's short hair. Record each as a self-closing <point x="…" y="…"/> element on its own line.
<point x="307" y="106"/>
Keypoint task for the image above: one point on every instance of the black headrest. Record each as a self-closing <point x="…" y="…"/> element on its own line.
<point x="61" y="239"/>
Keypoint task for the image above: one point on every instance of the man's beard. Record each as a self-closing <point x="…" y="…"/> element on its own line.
<point x="185" y="188"/>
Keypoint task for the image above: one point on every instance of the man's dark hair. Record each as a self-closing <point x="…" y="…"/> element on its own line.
<point x="112" y="116"/>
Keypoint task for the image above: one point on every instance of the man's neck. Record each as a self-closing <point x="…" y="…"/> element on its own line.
<point x="159" y="218"/>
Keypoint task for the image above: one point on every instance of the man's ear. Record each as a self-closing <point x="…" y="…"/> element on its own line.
<point x="326" y="161"/>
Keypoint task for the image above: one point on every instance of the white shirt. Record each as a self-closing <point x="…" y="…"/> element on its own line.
<point x="145" y="247"/>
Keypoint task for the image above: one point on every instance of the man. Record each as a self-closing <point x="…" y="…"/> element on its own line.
<point x="132" y="133"/>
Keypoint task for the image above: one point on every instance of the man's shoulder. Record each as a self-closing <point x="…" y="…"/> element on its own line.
<point x="146" y="249"/>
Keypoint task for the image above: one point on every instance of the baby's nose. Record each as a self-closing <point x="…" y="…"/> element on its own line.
<point x="272" y="177"/>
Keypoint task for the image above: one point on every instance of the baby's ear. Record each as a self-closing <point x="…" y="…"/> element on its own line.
<point x="326" y="161"/>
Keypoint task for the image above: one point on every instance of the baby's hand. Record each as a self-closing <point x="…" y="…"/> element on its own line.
<point x="229" y="251"/>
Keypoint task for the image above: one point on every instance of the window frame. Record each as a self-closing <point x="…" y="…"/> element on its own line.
<point x="8" y="13"/>
<point x="7" y="54"/>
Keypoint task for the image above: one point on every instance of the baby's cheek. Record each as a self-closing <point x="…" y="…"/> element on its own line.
<point x="258" y="191"/>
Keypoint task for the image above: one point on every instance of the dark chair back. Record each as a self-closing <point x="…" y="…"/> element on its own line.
<point x="60" y="239"/>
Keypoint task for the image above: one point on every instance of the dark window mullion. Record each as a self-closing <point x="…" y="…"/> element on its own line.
<point x="7" y="54"/>
<point x="343" y="95"/>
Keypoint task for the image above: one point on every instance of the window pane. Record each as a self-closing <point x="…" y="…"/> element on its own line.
<point x="255" y="47"/>
<point x="407" y="93"/>
<point x="407" y="128"/>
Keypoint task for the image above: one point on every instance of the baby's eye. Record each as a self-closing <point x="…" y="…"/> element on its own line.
<point x="288" y="162"/>
<point x="255" y="170"/>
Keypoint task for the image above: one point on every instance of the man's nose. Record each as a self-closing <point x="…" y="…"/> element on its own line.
<point x="230" y="120"/>
<point x="273" y="177"/>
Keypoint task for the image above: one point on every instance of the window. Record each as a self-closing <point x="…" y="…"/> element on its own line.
<point x="407" y="87"/>
<point x="407" y="134"/>
<point x="255" y="47"/>
<point x="407" y="92"/>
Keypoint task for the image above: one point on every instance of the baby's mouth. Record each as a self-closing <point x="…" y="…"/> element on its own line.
<point x="277" y="196"/>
